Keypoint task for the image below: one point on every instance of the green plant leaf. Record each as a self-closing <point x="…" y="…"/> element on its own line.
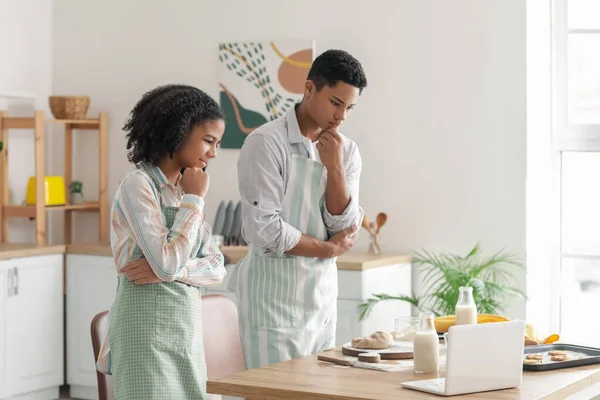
<point x="492" y="278"/>
<point x="366" y="307"/>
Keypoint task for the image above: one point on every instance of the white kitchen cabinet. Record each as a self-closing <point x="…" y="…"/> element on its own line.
<point x="31" y="330"/>
<point x="91" y="287"/>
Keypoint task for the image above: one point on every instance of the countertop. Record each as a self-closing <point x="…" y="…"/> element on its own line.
<point x="353" y="261"/>
<point x="19" y="250"/>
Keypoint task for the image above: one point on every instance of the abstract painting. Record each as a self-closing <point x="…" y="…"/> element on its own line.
<point x="258" y="82"/>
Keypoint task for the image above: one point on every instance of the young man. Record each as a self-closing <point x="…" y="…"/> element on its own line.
<point x="299" y="182"/>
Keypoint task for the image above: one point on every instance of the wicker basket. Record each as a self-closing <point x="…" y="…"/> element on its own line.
<point x="69" y="107"/>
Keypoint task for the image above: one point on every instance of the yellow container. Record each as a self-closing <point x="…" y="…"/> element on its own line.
<point x="55" y="191"/>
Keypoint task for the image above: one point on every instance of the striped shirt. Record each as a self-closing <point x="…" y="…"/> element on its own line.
<point x="137" y="218"/>
<point x="263" y="174"/>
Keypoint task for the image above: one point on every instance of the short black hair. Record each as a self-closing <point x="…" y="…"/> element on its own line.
<point x="163" y="118"/>
<point x="333" y="66"/>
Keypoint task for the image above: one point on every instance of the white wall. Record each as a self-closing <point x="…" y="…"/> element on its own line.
<point x="441" y="127"/>
<point x="25" y="66"/>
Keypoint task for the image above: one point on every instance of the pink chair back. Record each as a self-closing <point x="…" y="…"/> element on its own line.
<point x="222" y="345"/>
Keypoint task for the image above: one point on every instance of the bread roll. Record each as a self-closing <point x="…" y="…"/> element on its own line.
<point x="376" y="341"/>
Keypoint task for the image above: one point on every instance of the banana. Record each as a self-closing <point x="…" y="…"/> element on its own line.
<point x="442" y="324"/>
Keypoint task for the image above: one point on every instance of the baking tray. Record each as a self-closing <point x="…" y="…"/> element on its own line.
<point x="592" y="356"/>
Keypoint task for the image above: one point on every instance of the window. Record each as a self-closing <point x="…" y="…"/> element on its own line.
<point x="575" y="143"/>
<point x="580" y="247"/>
<point x="577" y="37"/>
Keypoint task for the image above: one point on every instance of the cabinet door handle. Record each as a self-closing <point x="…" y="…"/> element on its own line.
<point x="16" y="281"/>
<point x="9" y="282"/>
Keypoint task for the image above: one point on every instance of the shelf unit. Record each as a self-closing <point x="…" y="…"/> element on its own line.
<point x="38" y="211"/>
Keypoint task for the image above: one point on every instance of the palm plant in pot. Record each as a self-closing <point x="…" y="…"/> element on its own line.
<point x="492" y="278"/>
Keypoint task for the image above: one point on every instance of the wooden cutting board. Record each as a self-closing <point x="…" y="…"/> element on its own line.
<point x="396" y="351"/>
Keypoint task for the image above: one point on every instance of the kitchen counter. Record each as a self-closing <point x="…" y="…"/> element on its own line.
<point x="19" y="250"/>
<point x="352" y="261"/>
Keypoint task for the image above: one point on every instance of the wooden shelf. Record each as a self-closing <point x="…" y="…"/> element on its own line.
<point x="37" y="124"/>
<point x="29" y="211"/>
<point x="19" y="123"/>
<point x="74" y="121"/>
<point x="29" y="123"/>
<point x="93" y="124"/>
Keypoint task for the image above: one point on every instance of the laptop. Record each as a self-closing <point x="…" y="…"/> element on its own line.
<point x="480" y="358"/>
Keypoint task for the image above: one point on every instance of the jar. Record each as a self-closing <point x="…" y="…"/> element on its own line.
<point x="466" y="309"/>
<point x="426" y="354"/>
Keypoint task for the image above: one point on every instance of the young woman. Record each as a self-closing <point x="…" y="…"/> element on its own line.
<point x="163" y="248"/>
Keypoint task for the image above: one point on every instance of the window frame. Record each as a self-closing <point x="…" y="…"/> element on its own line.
<point x="549" y="134"/>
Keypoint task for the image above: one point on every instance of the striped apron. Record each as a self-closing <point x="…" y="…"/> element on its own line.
<point x="155" y="333"/>
<point x="287" y="304"/>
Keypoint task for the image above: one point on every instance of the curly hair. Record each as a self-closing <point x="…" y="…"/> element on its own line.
<point x="163" y="118"/>
<point x="333" y="66"/>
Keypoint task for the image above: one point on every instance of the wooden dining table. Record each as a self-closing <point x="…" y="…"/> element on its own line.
<point x="310" y="379"/>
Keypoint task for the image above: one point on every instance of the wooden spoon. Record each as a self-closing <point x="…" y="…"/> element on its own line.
<point x="372" y="227"/>
<point x="365" y="223"/>
<point x="381" y="219"/>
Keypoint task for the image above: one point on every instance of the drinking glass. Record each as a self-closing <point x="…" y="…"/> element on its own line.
<point x="405" y="328"/>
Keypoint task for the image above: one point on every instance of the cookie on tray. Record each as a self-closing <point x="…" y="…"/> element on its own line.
<point x="534" y="356"/>
<point x="557" y="353"/>
<point x="531" y="362"/>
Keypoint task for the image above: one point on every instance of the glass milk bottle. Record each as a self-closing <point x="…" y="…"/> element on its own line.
<point x="426" y="355"/>
<point x="466" y="310"/>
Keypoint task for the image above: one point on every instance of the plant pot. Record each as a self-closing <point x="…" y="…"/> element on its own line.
<point x="76" y="198"/>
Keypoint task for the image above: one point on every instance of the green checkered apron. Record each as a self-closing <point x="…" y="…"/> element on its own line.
<point x="287" y="304"/>
<point x="155" y="336"/>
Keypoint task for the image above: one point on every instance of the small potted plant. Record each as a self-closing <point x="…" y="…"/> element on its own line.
<point x="76" y="188"/>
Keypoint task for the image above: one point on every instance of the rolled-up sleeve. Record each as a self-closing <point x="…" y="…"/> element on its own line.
<point x="353" y="214"/>
<point x="207" y="268"/>
<point x="261" y="187"/>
